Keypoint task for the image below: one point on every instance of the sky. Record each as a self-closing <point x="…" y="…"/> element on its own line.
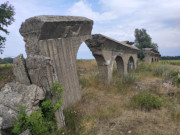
<point x="114" y="18"/>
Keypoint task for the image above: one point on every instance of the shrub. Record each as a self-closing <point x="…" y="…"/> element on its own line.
<point x="41" y="121"/>
<point x="145" y="100"/>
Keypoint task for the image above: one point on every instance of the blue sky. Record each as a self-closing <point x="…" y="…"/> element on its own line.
<point x="114" y="18"/>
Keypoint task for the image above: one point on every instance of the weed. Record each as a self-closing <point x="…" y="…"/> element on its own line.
<point x="145" y="100"/>
<point x="72" y="122"/>
<point x="41" y="121"/>
<point x="127" y="79"/>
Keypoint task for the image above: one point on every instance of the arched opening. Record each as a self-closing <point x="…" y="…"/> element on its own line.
<point x="119" y="65"/>
<point x="152" y="60"/>
<point x="86" y="64"/>
<point x="131" y="65"/>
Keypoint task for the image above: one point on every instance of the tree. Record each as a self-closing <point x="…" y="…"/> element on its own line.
<point x="6" y="19"/>
<point x="143" y="40"/>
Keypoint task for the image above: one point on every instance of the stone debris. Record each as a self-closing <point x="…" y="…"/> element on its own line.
<point x="13" y="95"/>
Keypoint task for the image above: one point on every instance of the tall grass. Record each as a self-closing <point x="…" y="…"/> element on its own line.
<point x="171" y="62"/>
<point x="161" y="69"/>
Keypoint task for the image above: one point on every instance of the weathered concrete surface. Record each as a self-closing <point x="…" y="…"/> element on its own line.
<point x="41" y="71"/>
<point x="20" y="71"/>
<point x="151" y="55"/>
<point x="107" y="50"/>
<point x="53" y="27"/>
<point x="58" y="37"/>
<point x="14" y="94"/>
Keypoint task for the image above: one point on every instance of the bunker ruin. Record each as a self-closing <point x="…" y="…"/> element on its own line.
<point x="151" y="55"/>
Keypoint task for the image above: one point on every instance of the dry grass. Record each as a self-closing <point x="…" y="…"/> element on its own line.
<point x="6" y="74"/>
<point x="104" y="109"/>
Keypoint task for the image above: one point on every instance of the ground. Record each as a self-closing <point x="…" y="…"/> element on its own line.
<point x="105" y="109"/>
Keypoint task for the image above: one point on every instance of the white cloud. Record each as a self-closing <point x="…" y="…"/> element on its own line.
<point x="82" y="8"/>
<point x="114" y="18"/>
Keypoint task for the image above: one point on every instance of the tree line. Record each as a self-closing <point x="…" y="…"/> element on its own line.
<point x="6" y="60"/>
<point x="170" y="57"/>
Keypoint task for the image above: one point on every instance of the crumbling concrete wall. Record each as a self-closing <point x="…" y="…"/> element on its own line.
<point x="107" y="50"/>
<point x="151" y="55"/>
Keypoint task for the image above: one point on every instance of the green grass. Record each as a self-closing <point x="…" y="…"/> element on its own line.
<point x="5" y="66"/>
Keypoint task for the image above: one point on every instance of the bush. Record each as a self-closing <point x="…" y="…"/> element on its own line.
<point x="145" y="100"/>
<point x="41" y="121"/>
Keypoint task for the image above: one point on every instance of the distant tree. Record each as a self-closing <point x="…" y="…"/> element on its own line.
<point x="6" y="19"/>
<point x="6" y="60"/>
<point x="143" y="40"/>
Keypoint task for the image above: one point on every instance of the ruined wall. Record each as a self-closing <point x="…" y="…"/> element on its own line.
<point x="151" y="55"/>
<point x="106" y="50"/>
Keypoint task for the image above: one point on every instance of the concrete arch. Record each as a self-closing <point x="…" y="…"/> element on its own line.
<point x="131" y="64"/>
<point x="120" y="65"/>
<point x="152" y="60"/>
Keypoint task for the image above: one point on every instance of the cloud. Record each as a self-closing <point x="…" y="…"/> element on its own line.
<point x="115" y="18"/>
<point x="83" y="8"/>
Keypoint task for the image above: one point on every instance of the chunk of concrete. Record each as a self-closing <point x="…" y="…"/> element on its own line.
<point x="20" y="71"/>
<point x="15" y="94"/>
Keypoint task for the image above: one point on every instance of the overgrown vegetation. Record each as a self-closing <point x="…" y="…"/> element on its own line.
<point x="41" y="121"/>
<point x="127" y="79"/>
<point x="145" y="100"/>
<point x="103" y="108"/>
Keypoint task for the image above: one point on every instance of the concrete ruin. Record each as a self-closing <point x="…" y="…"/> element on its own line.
<point x="151" y="55"/>
<point x="107" y="50"/>
<point x="52" y="43"/>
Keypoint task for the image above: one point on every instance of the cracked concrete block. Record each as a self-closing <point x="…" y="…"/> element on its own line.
<point x="14" y="94"/>
<point x="20" y="70"/>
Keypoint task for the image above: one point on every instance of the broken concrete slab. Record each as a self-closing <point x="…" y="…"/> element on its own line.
<point x="13" y="95"/>
<point x="20" y="70"/>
